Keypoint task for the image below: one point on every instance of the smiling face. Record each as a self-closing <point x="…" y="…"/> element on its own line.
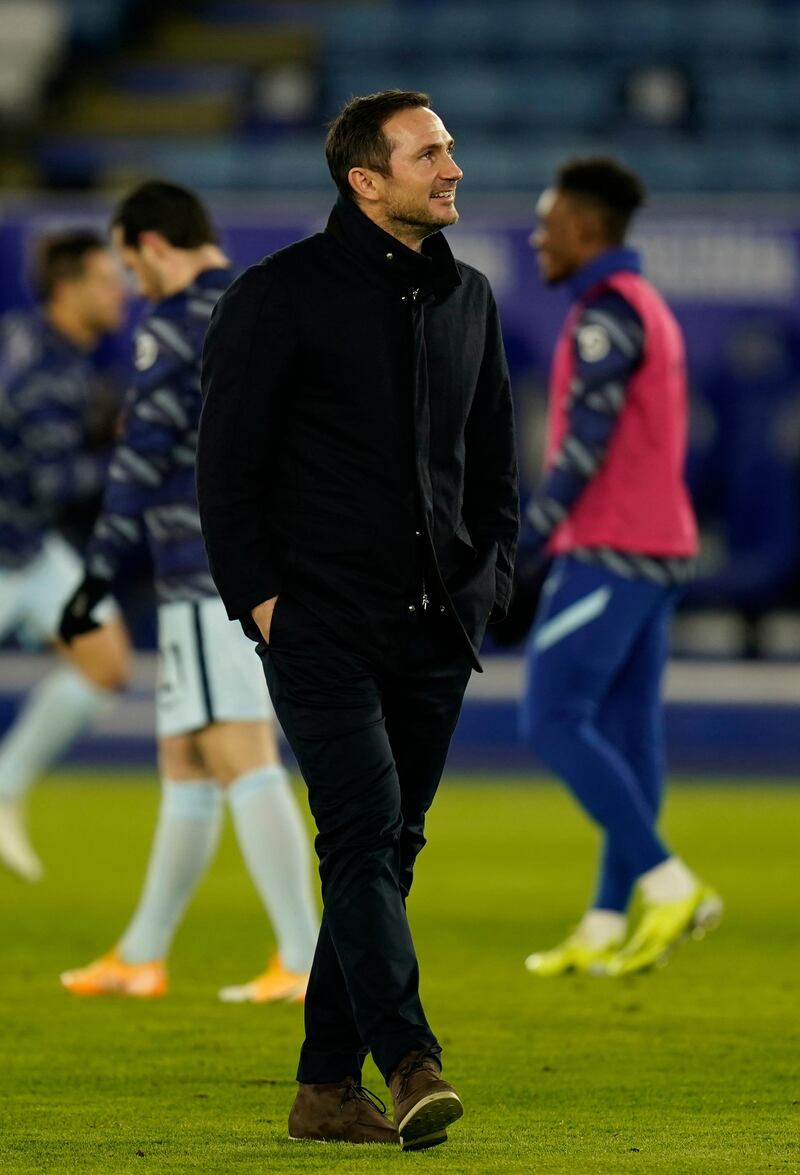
<point x="418" y="195"/>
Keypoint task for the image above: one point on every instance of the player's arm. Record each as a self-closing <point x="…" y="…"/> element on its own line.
<point x="52" y="431"/>
<point x="608" y="343"/>
<point x="247" y="373"/>
<point x="154" y="426"/>
<point x="491" y="486"/>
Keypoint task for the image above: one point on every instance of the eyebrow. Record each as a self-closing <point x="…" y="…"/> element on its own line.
<point x="433" y="146"/>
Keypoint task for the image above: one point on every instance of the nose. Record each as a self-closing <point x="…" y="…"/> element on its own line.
<point x="453" y="172"/>
<point x="536" y="239"/>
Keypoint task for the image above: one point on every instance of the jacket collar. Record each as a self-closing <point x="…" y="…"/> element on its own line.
<point x="433" y="269"/>
<point x="617" y="260"/>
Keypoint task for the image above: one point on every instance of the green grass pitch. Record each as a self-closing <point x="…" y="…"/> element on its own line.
<point x="693" y="1068"/>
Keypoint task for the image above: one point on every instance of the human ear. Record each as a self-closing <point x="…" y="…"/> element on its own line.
<point x="363" y="183"/>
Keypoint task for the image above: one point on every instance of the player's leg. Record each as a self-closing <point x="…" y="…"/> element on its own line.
<point x="239" y="748"/>
<point x="632" y="719"/>
<point x="186" y="838"/>
<point x="63" y="703"/>
<point x="675" y="901"/>
<point x="588" y="623"/>
<point x="583" y="636"/>
<point x="274" y="844"/>
<point x="16" y="851"/>
<point x="188" y="828"/>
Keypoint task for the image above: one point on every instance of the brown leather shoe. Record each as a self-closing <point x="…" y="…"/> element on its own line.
<point x="424" y="1104"/>
<point x="341" y="1111"/>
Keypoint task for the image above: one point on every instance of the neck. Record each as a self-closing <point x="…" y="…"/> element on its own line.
<point x="187" y="264"/>
<point x="410" y="235"/>
<point x="70" y="324"/>
<point x="592" y="253"/>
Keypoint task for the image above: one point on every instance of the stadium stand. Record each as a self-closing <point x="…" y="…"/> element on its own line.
<point x="699" y="96"/>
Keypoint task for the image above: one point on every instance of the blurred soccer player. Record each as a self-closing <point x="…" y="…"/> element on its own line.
<point x="50" y="458"/>
<point x="614" y="511"/>
<point x="213" y="715"/>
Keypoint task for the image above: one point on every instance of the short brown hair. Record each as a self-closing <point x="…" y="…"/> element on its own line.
<point x="614" y="189"/>
<point x="356" y="138"/>
<point x="62" y="257"/>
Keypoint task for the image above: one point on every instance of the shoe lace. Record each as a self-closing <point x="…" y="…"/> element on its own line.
<point x="407" y="1071"/>
<point x="357" y="1092"/>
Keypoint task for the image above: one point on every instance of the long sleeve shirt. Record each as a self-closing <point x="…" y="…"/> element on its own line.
<point x="46" y="456"/>
<point x="150" y="488"/>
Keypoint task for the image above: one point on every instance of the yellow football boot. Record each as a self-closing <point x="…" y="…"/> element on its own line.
<point x="110" y="975"/>
<point x="574" y="954"/>
<point x="663" y="925"/>
<point x="273" y="985"/>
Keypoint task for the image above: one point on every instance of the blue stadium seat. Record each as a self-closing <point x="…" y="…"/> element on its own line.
<point x="718" y="26"/>
<point x="341" y="84"/>
<point x="517" y="162"/>
<point x="749" y="98"/>
<point x="484" y="97"/>
<point x="667" y="165"/>
<point x="450" y="29"/>
<point x="636" y="28"/>
<point x="533" y="30"/>
<point x="571" y="99"/>
<point x="296" y="164"/>
<point x="379" y="29"/>
<point x="751" y="163"/>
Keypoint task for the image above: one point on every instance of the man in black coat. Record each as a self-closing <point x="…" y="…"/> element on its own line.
<point x="358" y="493"/>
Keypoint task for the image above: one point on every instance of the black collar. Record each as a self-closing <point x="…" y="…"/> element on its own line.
<point x="433" y="269"/>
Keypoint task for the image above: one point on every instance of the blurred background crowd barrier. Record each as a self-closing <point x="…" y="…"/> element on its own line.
<point x="701" y="96"/>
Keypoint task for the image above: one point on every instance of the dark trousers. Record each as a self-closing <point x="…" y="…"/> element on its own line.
<point x="371" y="734"/>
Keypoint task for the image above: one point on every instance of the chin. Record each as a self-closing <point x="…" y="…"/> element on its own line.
<point x="444" y="217"/>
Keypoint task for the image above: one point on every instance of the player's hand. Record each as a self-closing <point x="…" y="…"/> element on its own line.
<point x="262" y="615"/>
<point x="76" y="619"/>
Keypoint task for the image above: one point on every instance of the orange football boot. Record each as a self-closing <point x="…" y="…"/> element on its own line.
<point x="110" y="975"/>
<point x="273" y="985"/>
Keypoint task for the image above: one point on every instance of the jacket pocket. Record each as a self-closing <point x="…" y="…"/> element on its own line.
<point x="276" y="611"/>
<point x="463" y="535"/>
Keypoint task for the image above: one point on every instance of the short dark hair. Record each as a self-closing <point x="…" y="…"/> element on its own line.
<point x="614" y="189"/>
<point x="61" y="257"/>
<point x="175" y="212"/>
<point x="356" y="138"/>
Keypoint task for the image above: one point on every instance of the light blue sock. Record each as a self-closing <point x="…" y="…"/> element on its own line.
<point x="54" y="714"/>
<point x="186" y="839"/>
<point x="274" y="845"/>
